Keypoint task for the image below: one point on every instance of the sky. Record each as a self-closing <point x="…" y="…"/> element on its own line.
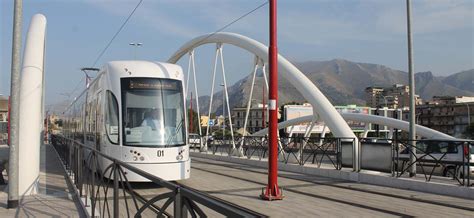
<point x="368" y="31"/>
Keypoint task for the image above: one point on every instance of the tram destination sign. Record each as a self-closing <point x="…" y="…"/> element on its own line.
<point x="152" y="83"/>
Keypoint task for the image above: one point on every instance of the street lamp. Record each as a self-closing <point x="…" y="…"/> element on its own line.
<point x="135" y="45"/>
<point x="385" y="98"/>
<point x="89" y="78"/>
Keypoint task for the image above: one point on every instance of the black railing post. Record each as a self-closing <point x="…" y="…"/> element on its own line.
<point x="76" y="165"/>
<point x="397" y="152"/>
<point x="92" y="175"/>
<point x="463" y="165"/>
<point x="179" y="209"/>
<point x="69" y="162"/>
<point x="301" y="160"/>
<point x="338" y="153"/>
<point x="468" y="163"/>
<point x="116" y="190"/>
<point x="80" y="171"/>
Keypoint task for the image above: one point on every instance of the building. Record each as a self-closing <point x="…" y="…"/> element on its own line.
<point x="257" y="119"/>
<point x="396" y="96"/>
<point x="204" y="121"/>
<point x="447" y="114"/>
<point x="295" y="111"/>
<point x="373" y="95"/>
<point x="55" y="125"/>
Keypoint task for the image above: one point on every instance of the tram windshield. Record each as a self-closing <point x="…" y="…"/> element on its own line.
<point x="153" y="112"/>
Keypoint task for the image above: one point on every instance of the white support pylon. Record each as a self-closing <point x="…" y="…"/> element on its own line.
<point x="249" y="103"/>
<point x="212" y="96"/>
<point x="186" y="88"/>
<point x="197" y="96"/>
<point x="31" y="107"/>
<point x="233" y="152"/>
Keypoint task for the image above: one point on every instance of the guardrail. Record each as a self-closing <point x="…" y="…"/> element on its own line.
<point x="382" y="155"/>
<point x="105" y="197"/>
<point x="297" y="150"/>
<point x="452" y="158"/>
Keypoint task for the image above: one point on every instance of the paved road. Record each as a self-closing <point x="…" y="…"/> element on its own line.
<point x="309" y="196"/>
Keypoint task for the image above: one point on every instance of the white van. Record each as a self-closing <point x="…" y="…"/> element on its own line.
<point x="195" y="140"/>
<point x="445" y="158"/>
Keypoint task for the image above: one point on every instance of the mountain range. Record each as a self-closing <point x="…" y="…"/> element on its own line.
<point x="343" y="82"/>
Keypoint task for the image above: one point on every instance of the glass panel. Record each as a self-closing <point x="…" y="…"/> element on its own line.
<point x="154" y="112"/>
<point x="111" y="121"/>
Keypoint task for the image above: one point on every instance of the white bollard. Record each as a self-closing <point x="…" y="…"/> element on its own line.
<point x="31" y="107"/>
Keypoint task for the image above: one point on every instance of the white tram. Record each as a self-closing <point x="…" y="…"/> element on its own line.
<point x="134" y="111"/>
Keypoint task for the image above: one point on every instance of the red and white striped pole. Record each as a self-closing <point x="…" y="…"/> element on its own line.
<point x="272" y="191"/>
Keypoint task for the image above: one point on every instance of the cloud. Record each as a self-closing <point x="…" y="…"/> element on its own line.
<point x="150" y="14"/>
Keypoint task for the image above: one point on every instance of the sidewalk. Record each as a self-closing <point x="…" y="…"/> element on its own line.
<point x="55" y="198"/>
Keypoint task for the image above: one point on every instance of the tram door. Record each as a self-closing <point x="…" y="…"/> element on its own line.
<point x="91" y="122"/>
<point x="99" y="121"/>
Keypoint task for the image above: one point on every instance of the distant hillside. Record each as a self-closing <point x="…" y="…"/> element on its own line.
<point x="343" y="82"/>
<point x="463" y="80"/>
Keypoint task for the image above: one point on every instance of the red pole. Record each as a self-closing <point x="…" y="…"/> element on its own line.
<point x="272" y="191"/>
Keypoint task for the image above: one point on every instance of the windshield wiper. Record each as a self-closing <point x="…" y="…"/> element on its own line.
<point x="173" y="136"/>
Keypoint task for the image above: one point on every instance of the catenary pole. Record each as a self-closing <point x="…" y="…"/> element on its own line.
<point x="15" y="106"/>
<point x="272" y="191"/>
<point x="411" y="75"/>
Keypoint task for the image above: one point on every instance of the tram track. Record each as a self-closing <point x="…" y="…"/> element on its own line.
<point x="311" y="195"/>
<point x="287" y="189"/>
<point x="411" y="198"/>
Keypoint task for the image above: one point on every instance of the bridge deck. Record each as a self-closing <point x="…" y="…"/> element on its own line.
<point x="307" y="195"/>
<point x="54" y="197"/>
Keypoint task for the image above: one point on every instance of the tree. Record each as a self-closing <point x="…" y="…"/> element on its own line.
<point x="218" y="134"/>
<point x="195" y="123"/>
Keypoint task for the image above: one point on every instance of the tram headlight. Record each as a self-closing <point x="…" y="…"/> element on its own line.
<point x="142" y="158"/>
<point x="179" y="157"/>
<point x="135" y="158"/>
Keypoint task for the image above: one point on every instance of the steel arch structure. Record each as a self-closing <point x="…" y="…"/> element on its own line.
<point x="310" y="92"/>
<point x="366" y="118"/>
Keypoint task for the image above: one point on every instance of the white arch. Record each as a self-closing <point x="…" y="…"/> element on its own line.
<point x="310" y="92"/>
<point x="385" y="121"/>
<point x="31" y="107"/>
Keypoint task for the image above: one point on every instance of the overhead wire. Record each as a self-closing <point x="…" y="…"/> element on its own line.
<point x="116" y="33"/>
<point x="232" y="22"/>
<point x="133" y="12"/>
<point x="110" y="42"/>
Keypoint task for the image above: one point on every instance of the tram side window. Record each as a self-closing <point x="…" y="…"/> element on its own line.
<point x="111" y="121"/>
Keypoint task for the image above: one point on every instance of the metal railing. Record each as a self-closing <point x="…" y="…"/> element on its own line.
<point x="384" y="155"/>
<point x="107" y="191"/>
<point x="297" y="150"/>
<point x="451" y="158"/>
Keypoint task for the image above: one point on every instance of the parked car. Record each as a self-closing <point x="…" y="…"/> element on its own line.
<point x="376" y="140"/>
<point x="445" y="158"/>
<point x="195" y="140"/>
